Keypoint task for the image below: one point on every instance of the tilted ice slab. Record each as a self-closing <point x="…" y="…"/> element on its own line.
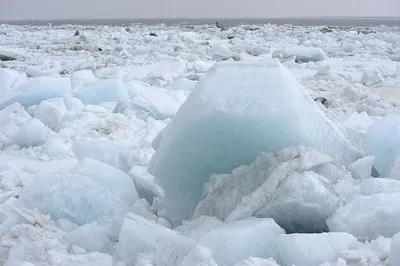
<point x="296" y="187"/>
<point x="251" y="237"/>
<point x="77" y="198"/>
<point x="368" y="217"/>
<point x="35" y="90"/>
<point x="383" y="142"/>
<point x="235" y="112"/>
<point x="10" y="78"/>
<point x="118" y="182"/>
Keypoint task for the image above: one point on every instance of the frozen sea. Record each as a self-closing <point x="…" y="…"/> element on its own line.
<point x="269" y="142"/>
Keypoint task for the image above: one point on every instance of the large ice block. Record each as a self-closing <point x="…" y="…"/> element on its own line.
<point x="35" y="90"/>
<point x="251" y="237"/>
<point x="77" y="198"/>
<point x="236" y="111"/>
<point x="383" y="142"/>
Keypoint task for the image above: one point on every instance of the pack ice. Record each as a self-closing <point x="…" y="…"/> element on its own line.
<point x="235" y="112"/>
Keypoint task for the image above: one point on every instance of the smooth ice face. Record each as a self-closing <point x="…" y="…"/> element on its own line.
<point x="251" y="237"/>
<point x="12" y="118"/>
<point x="395" y="251"/>
<point x="109" y="177"/>
<point x="101" y="150"/>
<point x="313" y="249"/>
<point x="51" y="114"/>
<point x="235" y="112"/>
<point x="371" y="186"/>
<point x="383" y="142"/>
<point x="77" y="198"/>
<point x="35" y="90"/>
<point x="294" y="186"/>
<point x="139" y="235"/>
<point x="368" y="217"/>
<point x="102" y="90"/>
<point x="91" y="237"/>
<point x="10" y="78"/>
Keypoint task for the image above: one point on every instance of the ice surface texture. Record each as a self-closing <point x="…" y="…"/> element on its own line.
<point x="234" y="113"/>
<point x="77" y="198"/>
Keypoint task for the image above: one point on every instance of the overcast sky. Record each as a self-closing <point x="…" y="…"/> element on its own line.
<point x="80" y="9"/>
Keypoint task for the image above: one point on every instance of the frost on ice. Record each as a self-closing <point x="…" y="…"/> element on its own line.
<point x="237" y="111"/>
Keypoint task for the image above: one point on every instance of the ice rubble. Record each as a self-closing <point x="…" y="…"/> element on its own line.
<point x="304" y="54"/>
<point x="296" y="187"/>
<point x="313" y="249"/>
<point x="109" y="177"/>
<point x="77" y="198"/>
<point x="33" y="133"/>
<point x="229" y="115"/>
<point x="251" y="237"/>
<point x="368" y="217"/>
<point x="383" y="142"/>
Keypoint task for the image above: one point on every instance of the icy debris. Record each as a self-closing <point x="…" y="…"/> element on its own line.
<point x="10" y="78"/>
<point x="199" y="256"/>
<point x="55" y="148"/>
<point x="33" y="133"/>
<point x="251" y="237"/>
<point x="35" y="90"/>
<point x="51" y="113"/>
<point x="229" y="115"/>
<point x="91" y="237"/>
<point x="370" y="78"/>
<point x="145" y="181"/>
<point x="26" y="245"/>
<point x="360" y="121"/>
<point x="199" y="227"/>
<point x="348" y="47"/>
<point x="295" y="187"/>
<point x="304" y="54"/>
<point x="142" y="208"/>
<point x="362" y="168"/>
<point x="313" y="249"/>
<point x="7" y="54"/>
<point x="371" y="186"/>
<point x="383" y="142"/>
<point x="368" y="217"/>
<point x="221" y="52"/>
<point x="105" y="151"/>
<point x="109" y="177"/>
<point x="66" y="225"/>
<point x="12" y="118"/>
<point x="102" y="90"/>
<point x="77" y="198"/>
<point x="139" y="235"/>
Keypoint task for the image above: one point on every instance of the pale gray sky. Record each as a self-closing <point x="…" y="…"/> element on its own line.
<point x="79" y="9"/>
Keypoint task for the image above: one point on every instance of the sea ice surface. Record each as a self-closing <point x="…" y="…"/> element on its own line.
<point x="102" y="90"/>
<point x="226" y="122"/>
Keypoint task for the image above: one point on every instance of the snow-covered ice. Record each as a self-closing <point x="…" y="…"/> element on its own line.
<point x="241" y="150"/>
